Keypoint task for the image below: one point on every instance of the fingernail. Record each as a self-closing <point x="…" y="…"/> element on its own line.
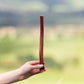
<point x="41" y="65"/>
<point x="45" y="70"/>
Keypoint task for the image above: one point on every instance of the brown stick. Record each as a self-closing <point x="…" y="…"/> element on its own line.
<point x="41" y="40"/>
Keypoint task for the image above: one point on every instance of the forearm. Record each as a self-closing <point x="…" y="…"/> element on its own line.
<point x="9" y="77"/>
<point x="28" y="69"/>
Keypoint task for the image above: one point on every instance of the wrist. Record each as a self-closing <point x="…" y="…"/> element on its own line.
<point x="19" y="75"/>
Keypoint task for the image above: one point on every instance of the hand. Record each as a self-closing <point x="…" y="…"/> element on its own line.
<point x="29" y="69"/>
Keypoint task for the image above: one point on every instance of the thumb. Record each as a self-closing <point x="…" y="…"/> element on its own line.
<point x="37" y="66"/>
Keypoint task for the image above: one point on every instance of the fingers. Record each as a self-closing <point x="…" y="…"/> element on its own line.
<point x="40" y="71"/>
<point x="37" y="66"/>
<point x="37" y="71"/>
<point x="34" y="62"/>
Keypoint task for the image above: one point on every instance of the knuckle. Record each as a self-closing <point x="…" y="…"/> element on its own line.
<point x="38" y="66"/>
<point x="31" y="67"/>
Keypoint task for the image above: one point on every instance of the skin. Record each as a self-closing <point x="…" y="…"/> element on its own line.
<point x="27" y="70"/>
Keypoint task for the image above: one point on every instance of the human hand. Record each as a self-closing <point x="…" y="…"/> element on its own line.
<point x="29" y="69"/>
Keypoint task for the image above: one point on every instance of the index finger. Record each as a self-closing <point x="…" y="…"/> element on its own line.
<point x="34" y="62"/>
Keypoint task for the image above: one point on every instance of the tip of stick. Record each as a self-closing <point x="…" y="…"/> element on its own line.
<point x="41" y="16"/>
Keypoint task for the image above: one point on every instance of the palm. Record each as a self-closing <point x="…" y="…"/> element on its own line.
<point x="33" y="72"/>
